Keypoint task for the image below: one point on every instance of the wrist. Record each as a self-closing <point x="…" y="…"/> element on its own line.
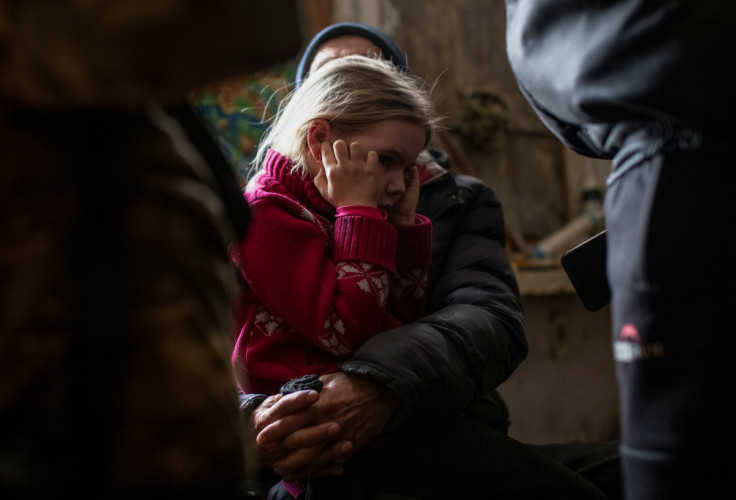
<point x="402" y="220"/>
<point x="373" y="390"/>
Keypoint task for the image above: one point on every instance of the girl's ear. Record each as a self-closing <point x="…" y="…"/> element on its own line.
<point x="319" y="131"/>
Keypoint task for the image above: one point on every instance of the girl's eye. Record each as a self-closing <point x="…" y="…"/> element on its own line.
<point x="386" y="161"/>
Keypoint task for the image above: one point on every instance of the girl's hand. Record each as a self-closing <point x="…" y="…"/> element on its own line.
<point x="347" y="176"/>
<point x="403" y="212"/>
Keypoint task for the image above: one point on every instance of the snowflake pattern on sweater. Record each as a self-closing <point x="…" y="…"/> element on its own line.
<point x="369" y="278"/>
<point x="410" y="283"/>
<point x="265" y="322"/>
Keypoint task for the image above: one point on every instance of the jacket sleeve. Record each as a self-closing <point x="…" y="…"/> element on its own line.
<point x="472" y="338"/>
<point x="333" y="295"/>
<point x="584" y="68"/>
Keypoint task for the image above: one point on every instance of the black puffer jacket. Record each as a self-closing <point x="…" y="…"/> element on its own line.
<point x="472" y="338"/>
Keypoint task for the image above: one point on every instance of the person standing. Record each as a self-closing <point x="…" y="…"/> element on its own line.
<point x="649" y="85"/>
<point x="116" y="284"/>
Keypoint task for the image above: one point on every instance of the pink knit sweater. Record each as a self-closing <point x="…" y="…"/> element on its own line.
<point x="320" y="283"/>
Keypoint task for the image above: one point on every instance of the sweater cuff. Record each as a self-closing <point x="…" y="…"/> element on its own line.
<point x="363" y="210"/>
<point x="415" y="244"/>
<point x="365" y="239"/>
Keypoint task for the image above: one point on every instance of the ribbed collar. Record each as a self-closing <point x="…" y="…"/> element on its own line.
<point x="278" y="167"/>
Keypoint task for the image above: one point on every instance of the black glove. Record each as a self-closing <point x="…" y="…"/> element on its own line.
<point x="305" y="383"/>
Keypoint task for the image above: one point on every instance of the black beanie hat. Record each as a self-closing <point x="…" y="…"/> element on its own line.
<point x="389" y="49"/>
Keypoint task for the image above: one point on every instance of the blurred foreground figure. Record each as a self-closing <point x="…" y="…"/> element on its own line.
<point x="115" y="281"/>
<point x="649" y="85"/>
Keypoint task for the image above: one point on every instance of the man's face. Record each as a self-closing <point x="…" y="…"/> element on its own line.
<point x="342" y="46"/>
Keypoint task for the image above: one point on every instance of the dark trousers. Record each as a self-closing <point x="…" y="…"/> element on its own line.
<point x="464" y="459"/>
<point x="671" y="234"/>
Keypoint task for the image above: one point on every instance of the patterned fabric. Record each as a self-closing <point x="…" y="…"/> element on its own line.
<point x="367" y="278"/>
<point x="241" y="109"/>
<point x="266" y="323"/>
<point x="320" y="285"/>
<point x="410" y="283"/>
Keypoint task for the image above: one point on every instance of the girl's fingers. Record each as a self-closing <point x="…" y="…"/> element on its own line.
<point x="320" y="180"/>
<point x="356" y="152"/>
<point x="372" y="160"/>
<point x="328" y="157"/>
<point x="341" y="152"/>
<point x="411" y="176"/>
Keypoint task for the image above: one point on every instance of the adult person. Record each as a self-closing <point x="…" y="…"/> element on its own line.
<point x="115" y="280"/>
<point x="648" y="85"/>
<point x="428" y="387"/>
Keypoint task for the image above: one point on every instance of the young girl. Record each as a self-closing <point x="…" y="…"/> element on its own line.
<point x="335" y="253"/>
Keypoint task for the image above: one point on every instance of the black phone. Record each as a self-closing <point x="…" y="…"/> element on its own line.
<point x="585" y="266"/>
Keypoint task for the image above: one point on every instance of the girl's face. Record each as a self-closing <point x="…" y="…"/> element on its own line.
<point x="398" y="144"/>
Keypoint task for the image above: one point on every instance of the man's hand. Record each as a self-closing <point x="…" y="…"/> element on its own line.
<point x="292" y="440"/>
<point x="310" y="434"/>
<point x="358" y="405"/>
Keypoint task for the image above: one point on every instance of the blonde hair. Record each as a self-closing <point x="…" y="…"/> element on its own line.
<point x="350" y="92"/>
